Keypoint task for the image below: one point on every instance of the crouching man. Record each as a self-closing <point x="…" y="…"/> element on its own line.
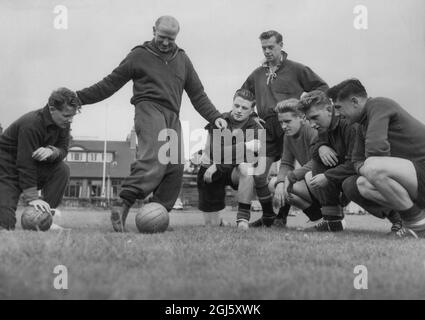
<point x="230" y="161"/>
<point x="32" y="150"/>
<point x="291" y="188"/>
<point x="392" y="142"/>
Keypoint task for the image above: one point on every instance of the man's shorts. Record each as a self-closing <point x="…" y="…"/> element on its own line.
<point x="274" y="137"/>
<point x="212" y="195"/>
<point x="420" y="174"/>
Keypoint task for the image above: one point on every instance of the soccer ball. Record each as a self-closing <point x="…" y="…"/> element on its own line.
<point x="33" y="219"/>
<point x="152" y="218"/>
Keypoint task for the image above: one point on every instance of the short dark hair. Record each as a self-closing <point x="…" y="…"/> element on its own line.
<point x="315" y="98"/>
<point x="62" y="97"/>
<point x="347" y="88"/>
<point x="245" y="94"/>
<point x="271" y="33"/>
<point x="289" y="105"/>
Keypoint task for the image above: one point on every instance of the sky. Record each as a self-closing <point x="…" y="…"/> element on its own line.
<point x="221" y="39"/>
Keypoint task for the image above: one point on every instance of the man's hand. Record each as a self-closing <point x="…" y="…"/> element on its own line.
<point x="209" y="173"/>
<point x="220" y="123"/>
<point x="42" y="154"/>
<point x="253" y="145"/>
<point x="40" y="205"/>
<point x="279" y="195"/>
<point x="319" y="181"/>
<point x="328" y="156"/>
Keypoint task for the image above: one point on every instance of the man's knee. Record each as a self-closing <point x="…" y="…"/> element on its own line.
<point x="349" y="187"/>
<point x="373" y="169"/>
<point x="63" y="171"/>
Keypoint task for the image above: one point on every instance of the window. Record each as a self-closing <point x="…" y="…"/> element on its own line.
<point x="77" y="156"/>
<point x="73" y="189"/>
<point x="98" y="157"/>
<point x="115" y="187"/>
<point x="95" y="188"/>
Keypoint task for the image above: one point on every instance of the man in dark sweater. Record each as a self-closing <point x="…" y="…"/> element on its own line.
<point x="231" y="161"/>
<point x="160" y="72"/>
<point x="332" y="160"/>
<point x="276" y="80"/>
<point x="31" y="152"/>
<point x="389" y="155"/>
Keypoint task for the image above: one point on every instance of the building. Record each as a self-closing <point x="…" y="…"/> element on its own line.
<point x="85" y="160"/>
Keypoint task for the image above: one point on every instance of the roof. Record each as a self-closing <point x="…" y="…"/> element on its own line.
<point x="118" y="168"/>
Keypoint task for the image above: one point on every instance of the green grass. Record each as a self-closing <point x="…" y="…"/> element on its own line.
<point x="197" y="262"/>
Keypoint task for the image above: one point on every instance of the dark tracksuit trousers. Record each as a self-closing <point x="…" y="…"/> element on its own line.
<point x="52" y="180"/>
<point x="149" y="173"/>
<point x="328" y="196"/>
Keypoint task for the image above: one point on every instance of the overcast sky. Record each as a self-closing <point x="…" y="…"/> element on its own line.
<point x="220" y="37"/>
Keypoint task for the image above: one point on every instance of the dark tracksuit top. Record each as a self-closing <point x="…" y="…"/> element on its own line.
<point x="228" y="151"/>
<point x="290" y="80"/>
<point x="386" y="129"/>
<point x="158" y="84"/>
<point x="19" y="173"/>
<point x="155" y="80"/>
<point x="340" y="136"/>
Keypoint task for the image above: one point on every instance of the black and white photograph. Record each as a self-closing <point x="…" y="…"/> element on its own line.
<point x="225" y="151"/>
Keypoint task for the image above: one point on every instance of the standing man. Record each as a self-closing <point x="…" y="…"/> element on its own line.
<point x="277" y="79"/>
<point x="32" y="150"/>
<point x="160" y="71"/>
<point x="389" y="156"/>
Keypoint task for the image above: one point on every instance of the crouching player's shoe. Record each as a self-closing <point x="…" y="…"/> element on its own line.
<point x="257" y="223"/>
<point x="243" y="224"/>
<point x="328" y="226"/>
<point x="404" y="233"/>
<point x="118" y="217"/>
<point x="279" y="223"/>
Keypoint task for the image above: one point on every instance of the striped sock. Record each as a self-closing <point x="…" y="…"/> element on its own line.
<point x="413" y="218"/>
<point x="332" y="213"/>
<point x="244" y="212"/>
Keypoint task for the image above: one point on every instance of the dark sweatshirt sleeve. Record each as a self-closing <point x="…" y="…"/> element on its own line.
<point x="346" y="169"/>
<point x="358" y="154"/>
<point x="376" y="143"/>
<point x="60" y="148"/>
<point x="311" y="81"/>
<point x="198" y="97"/>
<point x="249" y="84"/>
<point x="322" y="140"/>
<point x="29" y="140"/>
<point x="110" y="84"/>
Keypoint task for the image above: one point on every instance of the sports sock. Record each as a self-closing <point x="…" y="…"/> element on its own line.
<point x="413" y="218"/>
<point x="332" y="213"/>
<point x="283" y="212"/>
<point x="313" y="212"/>
<point x="128" y="197"/>
<point x="394" y="217"/>
<point x="244" y="212"/>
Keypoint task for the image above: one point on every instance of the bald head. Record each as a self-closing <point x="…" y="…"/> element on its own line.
<point x="165" y="32"/>
<point x="167" y="22"/>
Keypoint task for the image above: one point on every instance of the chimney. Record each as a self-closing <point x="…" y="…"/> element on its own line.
<point x="1" y="129"/>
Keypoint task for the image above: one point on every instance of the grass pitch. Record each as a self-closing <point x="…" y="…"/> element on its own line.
<point x="198" y="262"/>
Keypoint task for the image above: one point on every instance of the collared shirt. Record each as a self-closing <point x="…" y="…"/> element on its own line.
<point x="31" y="131"/>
